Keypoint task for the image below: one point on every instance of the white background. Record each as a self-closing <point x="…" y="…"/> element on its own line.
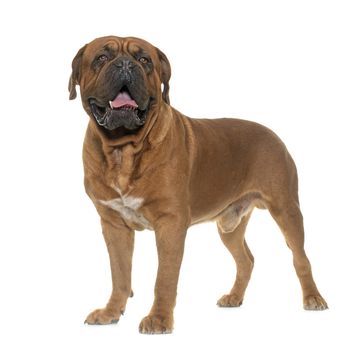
<point x="285" y="64"/>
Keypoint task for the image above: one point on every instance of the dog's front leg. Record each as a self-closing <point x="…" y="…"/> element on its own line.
<point x="120" y="244"/>
<point x="170" y="238"/>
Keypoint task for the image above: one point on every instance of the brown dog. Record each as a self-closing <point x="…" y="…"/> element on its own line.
<point x="148" y="166"/>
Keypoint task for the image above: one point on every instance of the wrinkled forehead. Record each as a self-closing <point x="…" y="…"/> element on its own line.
<point x="118" y="45"/>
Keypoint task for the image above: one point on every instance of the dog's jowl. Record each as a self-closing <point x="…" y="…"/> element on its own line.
<point x="147" y="166"/>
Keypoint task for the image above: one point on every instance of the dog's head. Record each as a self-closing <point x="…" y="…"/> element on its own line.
<point x="120" y="82"/>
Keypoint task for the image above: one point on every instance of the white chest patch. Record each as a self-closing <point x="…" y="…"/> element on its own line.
<point x="127" y="207"/>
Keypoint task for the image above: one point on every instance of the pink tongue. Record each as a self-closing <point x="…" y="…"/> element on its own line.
<point x="123" y="99"/>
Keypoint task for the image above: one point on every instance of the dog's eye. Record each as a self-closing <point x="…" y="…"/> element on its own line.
<point x="102" y="58"/>
<point x="143" y="60"/>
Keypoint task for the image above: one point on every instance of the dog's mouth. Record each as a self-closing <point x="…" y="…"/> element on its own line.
<point x="122" y="111"/>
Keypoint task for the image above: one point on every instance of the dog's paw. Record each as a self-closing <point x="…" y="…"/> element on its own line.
<point x="315" y="302"/>
<point x="230" y="300"/>
<point x="156" y="324"/>
<point x="103" y="316"/>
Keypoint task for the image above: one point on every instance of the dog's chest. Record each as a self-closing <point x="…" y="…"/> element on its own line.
<point x="129" y="209"/>
<point x="117" y="179"/>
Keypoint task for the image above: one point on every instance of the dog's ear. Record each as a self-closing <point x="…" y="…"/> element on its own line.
<point x="75" y="76"/>
<point x="165" y="73"/>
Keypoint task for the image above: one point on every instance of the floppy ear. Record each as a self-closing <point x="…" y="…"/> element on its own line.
<point x="165" y="73"/>
<point x="75" y="76"/>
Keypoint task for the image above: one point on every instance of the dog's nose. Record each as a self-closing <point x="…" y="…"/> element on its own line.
<point x="124" y="63"/>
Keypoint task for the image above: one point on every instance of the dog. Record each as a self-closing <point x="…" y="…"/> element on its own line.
<point x="147" y="166"/>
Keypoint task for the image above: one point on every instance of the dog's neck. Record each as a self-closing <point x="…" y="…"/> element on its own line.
<point x="123" y="155"/>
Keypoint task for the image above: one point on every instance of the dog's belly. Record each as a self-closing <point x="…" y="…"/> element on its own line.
<point x="229" y="217"/>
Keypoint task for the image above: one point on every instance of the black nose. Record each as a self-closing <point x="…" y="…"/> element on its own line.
<point x="124" y="63"/>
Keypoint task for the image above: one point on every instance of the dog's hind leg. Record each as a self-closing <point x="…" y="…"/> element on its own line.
<point x="290" y="220"/>
<point x="236" y="244"/>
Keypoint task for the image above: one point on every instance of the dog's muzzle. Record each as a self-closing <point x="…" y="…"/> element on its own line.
<point x="124" y="95"/>
<point x="123" y="111"/>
